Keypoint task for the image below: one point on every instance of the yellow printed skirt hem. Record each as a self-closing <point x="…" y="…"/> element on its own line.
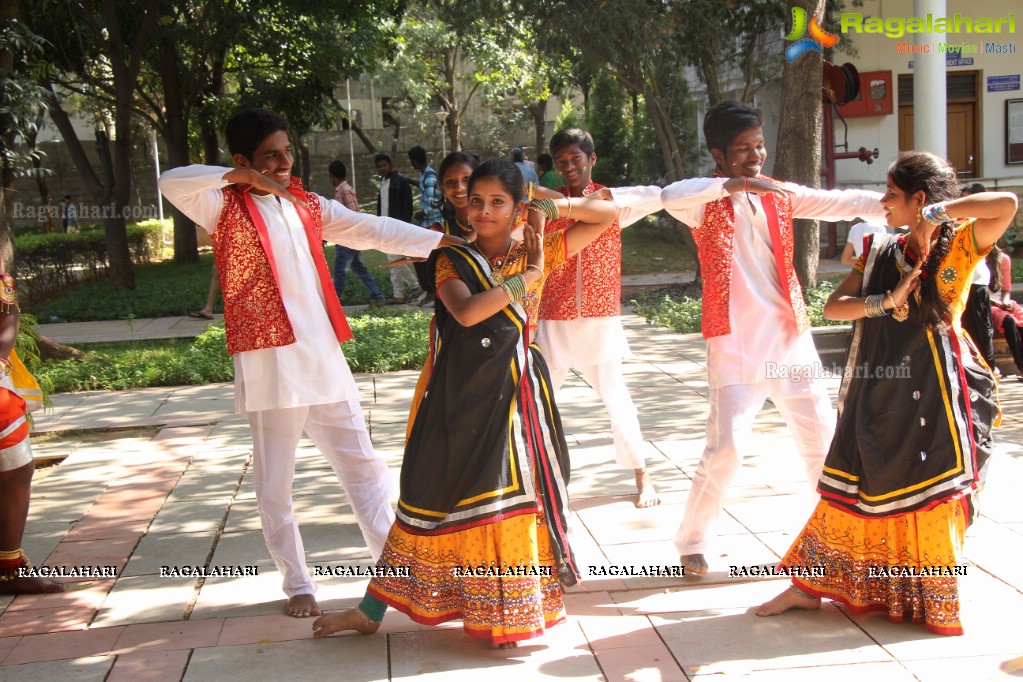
<point x="905" y="566"/>
<point x="499" y="578"/>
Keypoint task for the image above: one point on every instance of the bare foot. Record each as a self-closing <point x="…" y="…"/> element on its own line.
<point x="505" y="645"/>
<point x="31" y="585"/>
<point x="339" y="621"/>
<point x="302" y="606"/>
<point x="694" y="564"/>
<point x="789" y="599"/>
<point x="647" y="496"/>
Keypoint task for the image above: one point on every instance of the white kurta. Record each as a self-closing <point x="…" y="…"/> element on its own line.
<point x="595" y="340"/>
<point x="759" y="312"/>
<point x="313" y="370"/>
<point x="762" y="333"/>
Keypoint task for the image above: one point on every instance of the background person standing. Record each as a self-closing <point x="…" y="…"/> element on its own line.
<point x="345" y="257"/>
<point x="395" y="201"/>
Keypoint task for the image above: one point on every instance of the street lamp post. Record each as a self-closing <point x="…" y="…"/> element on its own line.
<point x="442" y="116"/>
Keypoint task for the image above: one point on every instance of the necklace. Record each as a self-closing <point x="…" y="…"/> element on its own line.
<point x="496" y="276"/>
<point x="466" y="228"/>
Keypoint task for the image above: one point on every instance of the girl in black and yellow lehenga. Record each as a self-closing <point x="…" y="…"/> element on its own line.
<point x="915" y="411"/>
<point x="481" y="521"/>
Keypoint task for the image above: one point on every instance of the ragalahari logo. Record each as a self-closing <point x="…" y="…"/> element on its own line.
<point x="819" y="38"/>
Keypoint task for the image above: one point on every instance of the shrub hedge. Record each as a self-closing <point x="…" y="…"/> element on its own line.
<point x="385" y="341"/>
<point x="51" y="262"/>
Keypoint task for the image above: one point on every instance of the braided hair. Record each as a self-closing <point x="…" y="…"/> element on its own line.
<point x="916" y="171"/>
<point x="994" y="263"/>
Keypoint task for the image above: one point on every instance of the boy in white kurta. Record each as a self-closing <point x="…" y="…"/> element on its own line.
<point x="284" y="324"/>
<point x="754" y="318"/>
<point x="580" y="325"/>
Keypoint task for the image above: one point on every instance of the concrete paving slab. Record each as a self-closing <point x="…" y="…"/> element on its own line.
<point x="361" y="658"/>
<point x="259" y="595"/>
<point x="169" y="550"/>
<point x="983" y="636"/>
<point x="197" y="515"/>
<point x="732" y="642"/>
<point x="65" y="646"/>
<point x="41" y="538"/>
<point x="327" y="508"/>
<point x="145" y="599"/>
<point x="1003" y="668"/>
<point x="671" y="627"/>
<point x="85" y="669"/>
<point x="450" y="655"/>
<point x="155" y="666"/>
<point x="726" y="596"/>
<point x="196" y="484"/>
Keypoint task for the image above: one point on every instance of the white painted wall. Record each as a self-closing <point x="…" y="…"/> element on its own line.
<point x="878" y="53"/>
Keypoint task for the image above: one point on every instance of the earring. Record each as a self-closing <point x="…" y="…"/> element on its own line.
<point x="519" y="221"/>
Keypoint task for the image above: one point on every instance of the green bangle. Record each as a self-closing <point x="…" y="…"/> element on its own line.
<point x="545" y="206"/>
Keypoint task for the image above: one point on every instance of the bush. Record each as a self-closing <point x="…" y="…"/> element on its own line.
<point x="117" y="367"/>
<point x="161" y="290"/>
<point x="51" y="262"/>
<point x="385" y="341"/>
<point x="684" y="315"/>
<point x="388" y="340"/>
<point x="815" y="300"/>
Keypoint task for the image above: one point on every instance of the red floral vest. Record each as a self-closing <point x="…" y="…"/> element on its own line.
<point x="254" y="314"/>
<point x="715" y="237"/>
<point x="589" y="284"/>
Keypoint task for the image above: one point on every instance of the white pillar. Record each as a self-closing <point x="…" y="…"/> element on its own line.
<point x="929" y="107"/>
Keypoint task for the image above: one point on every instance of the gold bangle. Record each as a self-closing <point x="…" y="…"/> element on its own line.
<point x="530" y="191"/>
<point x="535" y="267"/>
<point x="569" y="214"/>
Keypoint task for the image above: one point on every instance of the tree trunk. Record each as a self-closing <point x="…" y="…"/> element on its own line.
<point x="122" y="275"/>
<point x="538" y="110"/>
<point x="368" y="143"/>
<point x="186" y="244"/>
<point x="55" y="350"/>
<point x="305" y="169"/>
<point x="798" y="155"/>
<point x="210" y="141"/>
<point x="673" y="166"/>
<point x="37" y="163"/>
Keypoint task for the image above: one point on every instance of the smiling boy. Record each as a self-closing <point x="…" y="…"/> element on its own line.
<point x="754" y="316"/>
<point x="580" y="324"/>
<point x="284" y="328"/>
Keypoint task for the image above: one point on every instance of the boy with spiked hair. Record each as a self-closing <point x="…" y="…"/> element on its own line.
<point x="754" y="317"/>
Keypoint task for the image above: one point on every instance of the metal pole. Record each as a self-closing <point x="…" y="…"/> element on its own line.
<point x="159" y="194"/>
<point x="351" y="135"/>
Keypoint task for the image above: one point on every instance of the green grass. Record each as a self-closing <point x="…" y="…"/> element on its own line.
<point x="166" y="290"/>
<point x="385" y="341"/>
<point x="649" y="248"/>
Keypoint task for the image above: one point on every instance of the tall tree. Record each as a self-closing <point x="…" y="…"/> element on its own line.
<point x="798" y="155"/>
<point x="19" y="104"/>
<point x="97" y="47"/>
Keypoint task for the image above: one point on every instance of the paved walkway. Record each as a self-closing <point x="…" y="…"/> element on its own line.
<point x="184" y="498"/>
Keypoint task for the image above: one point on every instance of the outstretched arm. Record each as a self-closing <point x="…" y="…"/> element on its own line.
<point x="196" y="189"/>
<point x="593" y="217"/>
